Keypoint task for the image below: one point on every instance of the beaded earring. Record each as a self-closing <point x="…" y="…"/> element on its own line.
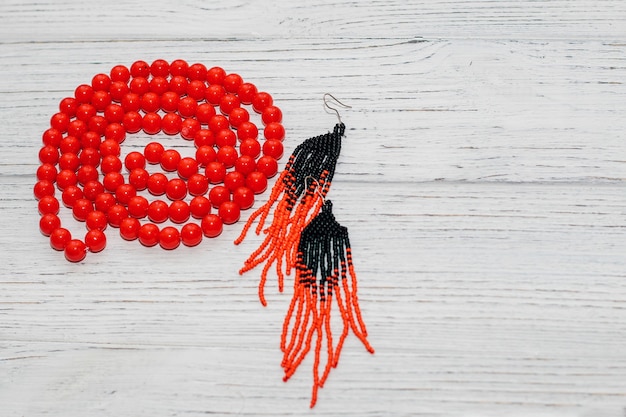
<point x="306" y="236"/>
<point x="295" y="203"/>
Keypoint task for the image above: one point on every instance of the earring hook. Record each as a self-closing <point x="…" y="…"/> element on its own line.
<point x="328" y="107"/>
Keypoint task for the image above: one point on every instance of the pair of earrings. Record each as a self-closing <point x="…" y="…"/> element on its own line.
<point x="305" y="236"/>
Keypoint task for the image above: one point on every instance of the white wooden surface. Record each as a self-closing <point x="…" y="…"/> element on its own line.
<point x="483" y="181"/>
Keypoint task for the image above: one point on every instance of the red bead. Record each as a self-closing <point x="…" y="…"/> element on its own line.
<point x="215" y="75"/>
<point x="76" y="128"/>
<point x="118" y="90"/>
<point x="43" y="188"/>
<point x="139" y="85"/>
<point x="96" y="220"/>
<point x="218" y="122"/>
<point x="227" y="155"/>
<point x="274" y="131"/>
<point x="138" y="177"/>
<point x="214" y="93"/>
<point x="160" y="68"/>
<point x="75" y="250"/>
<point x="100" y="100"/>
<point x="261" y="101"/>
<point x="229" y="212"/>
<point x="124" y="192"/>
<point x="198" y="184"/>
<point x="92" y="189"/>
<point x="104" y="201"/>
<point x="171" y="124"/>
<point x="120" y="73"/>
<point x="159" y="85"/>
<point x="68" y="106"/>
<point x="132" y="122"/>
<point x="101" y="82"/>
<point x="49" y="155"/>
<point x="150" y="102"/>
<point x="82" y="207"/>
<point x="69" y="144"/>
<point x="60" y="122"/>
<point x="151" y="123"/>
<point x="271" y="114"/>
<point x="244" y="197"/>
<point x="90" y="140"/>
<point x="200" y="206"/>
<point x="228" y="102"/>
<point x="134" y="160"/>
<point x="87" y="173"/>
<point x="46" y="172"/>
<point x="273" y="148"/>
<point x="234" y="180"/>
<point x="169" y="238"/>
<point x="129" y="228"/>
<point x="140" y="69"/>
<point x="250" y="147"/>
<point x="232" y="82"/>
<point x="176" y="189"/>
<point x="187" y="107"/>
<point x="170" y="159"/>
<point x="225" y="137"/>
<point x="153" y="152"/>
<point x="112" y="180"/>
<point x="205" y="154"/>
<point x="70" y="195"/>
<point x="218" y="195"/>
<point x="189" y="128"/>
<point x="110" y="147"/>
<point x="65" y="178"/>
<point x="246" y="92"/>
<point x="211" y="225"/>
<point x="157" y="183"/>
<point x="178" y="85"/>
<point x="149" y="234"/>
<point x="114" y="113"/>
<point x="158" y="211"/>
<point x="116" y="214"/>
<point x="48" y="205"/>
<point x="247" y="130"/>
<point x="245" y="164"/>
<point x="197" y="72"/>
<point x="83" y="93"/>
<point x="51" y="137"/>
<point x="196" y="89"/>
<point x="179" y="67"/>
<point x="95" y="240"/>
<point x="178" y="211"/>
<point x="204" y="112"/>
<point x="191" y="234"/>
<point x="131" y="102"/>
<point x="138" y="206"/>
<point x="48" y="223"/>
<point x="59" y="238"/>
<point x="237" y="116"/>
<point x="169" y="101"/>
<point x="187" y="167"/>
<point x="257" y="182"/>
<point x="215" y="172"/>
<point x="110" y="163"/>
<point x="99" y="125"/>
<point x="267" y="166"/>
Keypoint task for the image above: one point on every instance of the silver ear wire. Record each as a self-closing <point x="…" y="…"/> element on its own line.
<point x="327" y="107"/>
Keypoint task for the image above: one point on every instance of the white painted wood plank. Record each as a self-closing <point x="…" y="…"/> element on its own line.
<point x="482" y="181"/>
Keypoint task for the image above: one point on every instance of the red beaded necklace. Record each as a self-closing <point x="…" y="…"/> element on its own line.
<point x="81" y="156"/>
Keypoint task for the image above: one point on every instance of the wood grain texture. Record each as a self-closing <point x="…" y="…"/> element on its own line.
<point x="482" y="179"/>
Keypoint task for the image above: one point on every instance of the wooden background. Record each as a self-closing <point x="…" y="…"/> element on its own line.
<point x="483" y="181"/>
